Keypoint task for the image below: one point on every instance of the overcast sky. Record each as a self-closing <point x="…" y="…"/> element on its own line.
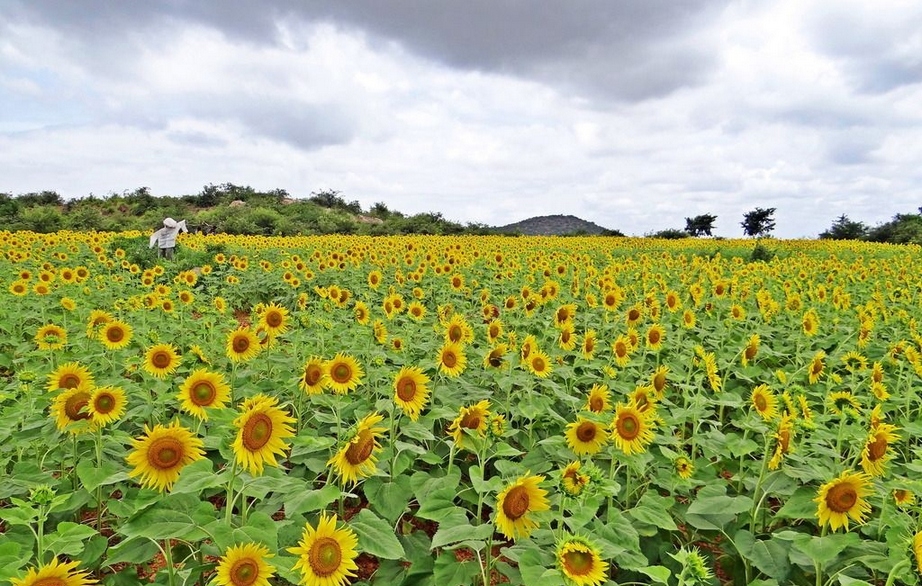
<point x="634" y="114"/>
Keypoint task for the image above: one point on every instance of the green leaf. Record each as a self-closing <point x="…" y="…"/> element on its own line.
<point x="376" y="536"/>
<point x="68" y="538"/>
<point x="18" y="515"/>
<point x="448" y="571"/>
<point x="769" y="556"/>
<point x="653" y="510"/>
<point x="175" y="517"/>
<point x="198" y="476"/>
<point x="92" y="477"/>
<point x="307" y="501"/>
<point x="131" y="551"/>
<point x="659" y="574"/>
<point x="457" y="527"/>
<point x="800" y="506"/>
<point x="260" y="528"/>
<point x="388" y="498"/>
<point x="822" y="550"/>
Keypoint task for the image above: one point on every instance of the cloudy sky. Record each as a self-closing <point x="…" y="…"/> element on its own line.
<point x="634" y="114"/>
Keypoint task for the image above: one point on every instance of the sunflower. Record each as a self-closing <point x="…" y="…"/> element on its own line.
<point x="70" y="408"/>
<point x="879" y="390"/>
<point x="877" y="373"/>
<point x="451" y="359"/>
<point x="842" y="402"/>
<point x="842" y="499"/>
<point x="361" y="313"/>
<point x="564" y="315"/>
<point x="458" y="331"/>
<point x="161" y="360"/>
<point x="572" y="480"/>
<point x="495" y="358"/>
<point x="854" y="361"/>
<point x="203" y="389"/>
<point x="633" y="315"/>
<point x="472" y="419"/>
<point x="588" y="345"/>
<point x="654" y="337"/>
<point x="106" y="405"/>
<point x="494" y="330"/>
<point x="817" y="365"/>
<point x="161" y="454"/>
<point x="410" y="391"/>
<point x="55" y="573"/>
<point x="19" y="288"/>
<point x="599" y="399"/>
<point x="567" y="338"/>
<point x="810" y="323"/>
<point x="621" y="350"/>
<point x="69" y="376"/>
<point x="539" y="364"/>
<point x="876" y="452"/>
<point x="261" y="429"/>
<point x="764" y="402"/>
<point x="688" y="319"/>
<point x="115" y="334"/>
<point x="357" y="458"/>
<point x="326" y="555"/>
<point x="274" y="319"/>
<point x="630" y="429"/>
<point x="343" y="373"/>
<point x="916" y="550"/>
<point x="314" y="376"/>
<point x="644" y="396"/>
<point x="416" y="310"/>
<point x="683" y="467"/>
<point x="751" y="350"/>
<point x="782" y="437"/>
<point x="517" y="503"/>
<point x="585" y="437"/>
<point x="581" y="561"/>
<point x="379" y="330"/>
<point x="51" y="337"/>
<point x="903" y="497"/>
<point x="242" y="345"/>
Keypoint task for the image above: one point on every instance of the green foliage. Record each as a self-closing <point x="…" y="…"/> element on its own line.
<point x="761" y="253"/>
<point x="700" y="225"/>
<point x="40" y="219"/>
<point x="669" y="234"/>
<point x="902" y="229"/>
<point x="845" y="229"/>
<point x="137" y="250"/>
<point x="758" y="222"/>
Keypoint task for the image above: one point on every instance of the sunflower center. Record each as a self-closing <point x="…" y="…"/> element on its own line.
<point x="628" y="426"/>
<point x="471" y="421"/>
<point x="620" y="349"/>
<point x="203" y="393"/>
<point x="760" y="402"/>
<point x="161" y="360"/>
<point x="578" y="563"/>
<point x="244" y="572"/>
<point x="563" y="315"/>
<point x="104" y="403"/>
<point x="841" y="498"/>
<point x="750" y="352"/>
<point x="653" y="337"/>
<point x="784" y="440"/>
<point x="496" y="359"/>
<point x="455" y="333"/>
<point x="586" y="431"/>
<point x="312" y="374"/>
<point x="341" y="373"/>
<point x="406" y="389"/>
<point x="74" y="406"/>
<point x="515" y="505"/>
<point x="325" y="556"/>
<point x="69" y="381"/>
<point x="596" y="404"/>
<point x="257" y="431"/>
<point x="816" y="367"/>
<point x="360" y="448"/>
<point x="589" y="346"/>
<point x="241" y="344"/>
<point x="633" y="315"/>
<point x="449" y="359"/>
<point x="165" y="453"/>
<point x="115" y="334"/>
<point x="538" y="364"/>
<point x="877" y="448"/>
<point x="659" y="382"/>
<point x="274" y="319"/>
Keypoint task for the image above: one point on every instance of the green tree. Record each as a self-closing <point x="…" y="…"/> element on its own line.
<point x="758" y="222"/>
<point x="844" y="229"/>
<point x="700" y="225"/>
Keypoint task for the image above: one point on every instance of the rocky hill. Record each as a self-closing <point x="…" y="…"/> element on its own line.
<point x="556" y="225"/>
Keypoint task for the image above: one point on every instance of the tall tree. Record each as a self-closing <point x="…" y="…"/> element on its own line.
<point x="758" y="222"/>
<point x="700" y="225"/>
<point x="845" y="229"/>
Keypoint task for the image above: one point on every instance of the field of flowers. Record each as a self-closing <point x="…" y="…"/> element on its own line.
<point x="447" y="411"/>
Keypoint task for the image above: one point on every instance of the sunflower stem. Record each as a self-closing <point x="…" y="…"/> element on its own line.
<point x="229" y="505"/>
<point x="756" y="500"/>
<point x="168" y="557"/>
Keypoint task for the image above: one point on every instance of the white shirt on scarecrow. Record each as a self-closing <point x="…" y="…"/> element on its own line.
<point x="165" y="238"/>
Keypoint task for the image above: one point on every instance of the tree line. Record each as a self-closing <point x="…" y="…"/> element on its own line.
<point x="236" y="209"/>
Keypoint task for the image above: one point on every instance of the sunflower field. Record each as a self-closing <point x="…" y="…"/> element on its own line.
<point x="458" y="410"/>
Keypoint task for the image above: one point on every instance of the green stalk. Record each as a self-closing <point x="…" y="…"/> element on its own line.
<point x="168" y="557"/>
<point x="229" y="505"/>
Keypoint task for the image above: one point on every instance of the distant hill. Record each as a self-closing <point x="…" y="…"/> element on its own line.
<point x="557" y="225"/>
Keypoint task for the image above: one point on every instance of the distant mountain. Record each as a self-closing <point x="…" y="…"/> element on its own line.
<point x="557" y="225"/>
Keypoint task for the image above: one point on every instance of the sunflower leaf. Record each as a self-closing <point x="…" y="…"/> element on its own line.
<point x="376" y="536"/>
<point x="109" y="472"/>
<point x="450" y="570"/>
